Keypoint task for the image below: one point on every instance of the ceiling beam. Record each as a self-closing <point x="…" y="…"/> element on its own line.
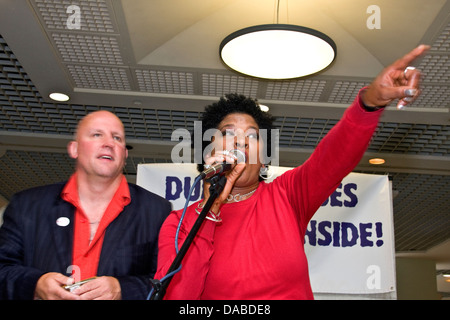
<point x="179" y="102"/>
<point x="289" y="157"/>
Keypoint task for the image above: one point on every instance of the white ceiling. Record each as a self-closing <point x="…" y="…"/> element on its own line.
<point x="156" y="64"/>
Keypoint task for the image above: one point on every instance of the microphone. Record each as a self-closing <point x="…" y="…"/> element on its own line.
<point x="223" y="167"/>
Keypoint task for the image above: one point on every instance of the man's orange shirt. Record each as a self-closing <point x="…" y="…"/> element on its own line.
<point x="86" y="253"/>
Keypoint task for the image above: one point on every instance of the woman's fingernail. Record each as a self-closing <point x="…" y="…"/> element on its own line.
<point x="410" y="92"/>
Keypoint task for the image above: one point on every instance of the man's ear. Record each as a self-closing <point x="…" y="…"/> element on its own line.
<point x="72" y="149"/>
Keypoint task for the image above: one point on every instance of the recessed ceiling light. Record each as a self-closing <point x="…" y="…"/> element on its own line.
<point x="377" y="161"/>
<point x="59" y="96"/>
<point x="263" y="107"/>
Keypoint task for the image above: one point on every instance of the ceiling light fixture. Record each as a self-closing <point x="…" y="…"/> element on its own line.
<point x="263" y="107"/>
<point x="61" y="97"/>
<point x="377" y="161"/>
<point x="278" y="51"/>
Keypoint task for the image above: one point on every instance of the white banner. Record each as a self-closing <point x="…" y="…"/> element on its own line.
<point x="349" y="241"/>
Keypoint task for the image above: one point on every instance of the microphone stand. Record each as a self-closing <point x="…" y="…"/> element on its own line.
<point x="217" y="185"/>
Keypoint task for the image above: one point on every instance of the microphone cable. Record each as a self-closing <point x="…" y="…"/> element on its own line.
<point x="154" y="282"/>
<point x="186" y="204"/>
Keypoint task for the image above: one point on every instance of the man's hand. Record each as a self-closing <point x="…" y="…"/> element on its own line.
<point x="102" y="288"/>
<point x="396" y="81"/>
<point x="50" y="287"/>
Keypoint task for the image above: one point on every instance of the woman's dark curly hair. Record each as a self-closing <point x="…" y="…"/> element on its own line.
<point x="235" y="103"/>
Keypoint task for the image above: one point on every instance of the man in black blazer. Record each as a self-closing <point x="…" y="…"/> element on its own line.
<point x="96" y="224"/>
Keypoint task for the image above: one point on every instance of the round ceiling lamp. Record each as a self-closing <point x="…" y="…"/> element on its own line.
<point x="377" y="161"/>
<point x="57" y="96"/>
<point x="278" y="51"/>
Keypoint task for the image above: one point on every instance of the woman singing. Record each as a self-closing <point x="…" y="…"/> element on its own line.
<point x="251" y="244"/>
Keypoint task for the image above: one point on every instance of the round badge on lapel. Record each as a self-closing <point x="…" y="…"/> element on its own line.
<point x="63" y="221"/>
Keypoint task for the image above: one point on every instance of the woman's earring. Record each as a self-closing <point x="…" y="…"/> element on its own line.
<point x="263" y="172"/>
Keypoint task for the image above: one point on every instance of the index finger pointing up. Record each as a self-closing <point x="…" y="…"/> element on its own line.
<point x="408" y="58"/>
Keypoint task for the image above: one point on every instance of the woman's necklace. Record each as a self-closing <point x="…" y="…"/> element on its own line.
<point x="238" y="197"/>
